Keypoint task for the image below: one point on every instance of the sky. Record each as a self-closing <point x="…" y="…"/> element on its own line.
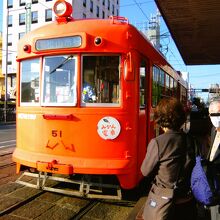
<point x="139" y="12"/>
<point x="200" y="76"/>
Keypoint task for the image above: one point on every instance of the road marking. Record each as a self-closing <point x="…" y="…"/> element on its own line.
<point x="2" y="142"/>
<point x="9" y="145"/>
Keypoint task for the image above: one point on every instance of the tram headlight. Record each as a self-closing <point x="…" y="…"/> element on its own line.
<point x="98" y="41"/>
<point x="62" y="8"/>
<point x="27" y="48"/>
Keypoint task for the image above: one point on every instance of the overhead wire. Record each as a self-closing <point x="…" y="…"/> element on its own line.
<point x="140" y="3"/>
<point x="139" y="6"/>
<point x="166" y="33"/>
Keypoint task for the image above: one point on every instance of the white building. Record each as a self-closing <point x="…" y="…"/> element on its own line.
<point x="21" y="16"/>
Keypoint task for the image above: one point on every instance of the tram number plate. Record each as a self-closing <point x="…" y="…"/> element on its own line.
<point x="54" y="168"/>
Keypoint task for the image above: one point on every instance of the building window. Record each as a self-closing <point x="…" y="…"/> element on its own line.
<point x="22" y="2"/>
<point x="113" y="9"/>
<point x="108" y="4"/>
<point x="117" y="13"/>
<point x="9" y="39"/>
<point x="117" y="2"/>
<point x="97" y="11"/>
<point x="10" y="3"/>
<point x="34" y="1"/>
<point x="48" y="0"/>
<point x="84" y="3"/>
<point x="103" y="2"/>
<point x="22" y="19"/>
<point x="20" y="35"/>
<point x="9" y="61"/>
<point x="91" y="6"/>
<point x="48" y="15"/>
<point x="84" y="16"/>
<point x="10" y="21"/>
<point x="103" y="14"/>
<point x="34" y="17"/>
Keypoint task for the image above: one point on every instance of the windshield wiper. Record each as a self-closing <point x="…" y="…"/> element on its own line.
<point x="61" y="64"/>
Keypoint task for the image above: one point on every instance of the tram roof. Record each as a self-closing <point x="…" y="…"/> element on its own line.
<point x="195" y="28"/>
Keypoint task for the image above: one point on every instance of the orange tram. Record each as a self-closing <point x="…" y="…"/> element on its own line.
<point x="85" y="102"/>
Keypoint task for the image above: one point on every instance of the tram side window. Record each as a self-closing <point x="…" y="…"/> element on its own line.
<point x="183" y="93"/>
<point x="59" y="81"/>
<point x="175" y="88"/>
<point x="142" y="84"/>
<point x="155" y="86"/>
<point x="30" y="81"/>
<point x="167" y="85"/>
<point x="171" y="86"/>
<point x="100" y="79"/>
<point x="162" y="84"/>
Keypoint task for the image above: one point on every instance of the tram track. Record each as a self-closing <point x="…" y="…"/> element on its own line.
<point x="50" y="204"/>
<point x="20" y="204"/>
<point x="85" y="210"/>
<point x="6" y="159"/>
<point x="18" y="201"/>
<point x="7" y="165"/>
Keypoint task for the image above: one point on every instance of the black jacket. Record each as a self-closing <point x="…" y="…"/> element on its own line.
<point x="172" y="154"/>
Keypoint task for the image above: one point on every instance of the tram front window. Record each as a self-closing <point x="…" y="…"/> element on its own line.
<point x="59" y="81"/>
<point x="30" y="70"/>
<point x="100" y="80"/>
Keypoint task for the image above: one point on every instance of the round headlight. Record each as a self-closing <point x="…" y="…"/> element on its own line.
<point x="62" y="8"/>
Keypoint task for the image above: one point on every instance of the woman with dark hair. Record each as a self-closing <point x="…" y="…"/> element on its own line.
<point x="171" y="156"/>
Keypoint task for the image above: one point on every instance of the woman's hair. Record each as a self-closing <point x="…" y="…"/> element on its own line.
<point x="170" y="113"/>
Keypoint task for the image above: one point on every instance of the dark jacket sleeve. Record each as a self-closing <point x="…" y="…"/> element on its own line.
<point x="151" y="158"/>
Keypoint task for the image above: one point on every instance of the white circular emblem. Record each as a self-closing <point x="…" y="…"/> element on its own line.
<point x="108" y="128"/>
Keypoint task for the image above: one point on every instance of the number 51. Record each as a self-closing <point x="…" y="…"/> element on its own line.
<point x="56" y="133"/>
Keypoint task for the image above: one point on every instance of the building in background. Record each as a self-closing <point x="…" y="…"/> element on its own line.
<point x="2" y="78"/>
<point x="21" y="16"/>
<point x="214" y="91"/>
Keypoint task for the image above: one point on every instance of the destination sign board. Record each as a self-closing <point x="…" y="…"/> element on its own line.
<point x="58" y="43"/>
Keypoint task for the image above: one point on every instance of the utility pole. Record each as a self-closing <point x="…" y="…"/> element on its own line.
<point x="6" y="70"/>
<point x="28" y="16"/>
<point x="153" y="32"/>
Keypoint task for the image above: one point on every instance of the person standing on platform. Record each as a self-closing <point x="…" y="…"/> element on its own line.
<point x="169" y="156"/>
<point x="214" y="157"/>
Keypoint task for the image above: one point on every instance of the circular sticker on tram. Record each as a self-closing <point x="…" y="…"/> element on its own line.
<point x="108" y="128"/>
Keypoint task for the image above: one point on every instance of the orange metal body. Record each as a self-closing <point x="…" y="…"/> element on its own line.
<point x="80" y="150"/>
